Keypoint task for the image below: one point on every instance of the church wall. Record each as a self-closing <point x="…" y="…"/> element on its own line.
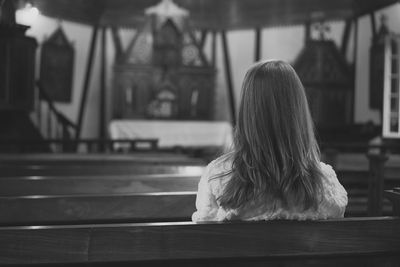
<point x="80" y="35"/>
<point x="280" y="42"/>
<point x="286" y="43"/>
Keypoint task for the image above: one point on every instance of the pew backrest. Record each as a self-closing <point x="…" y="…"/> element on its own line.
<point x="355" y="240"/>
<point x="108" y="208"/>
<point x="102" y="184"/>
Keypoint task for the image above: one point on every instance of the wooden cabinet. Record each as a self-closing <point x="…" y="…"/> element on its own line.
<point x="328" y="82"/>
<point x="17" y="62"/>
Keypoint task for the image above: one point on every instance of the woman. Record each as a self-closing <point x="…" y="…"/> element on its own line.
<point x="274" y="170"/>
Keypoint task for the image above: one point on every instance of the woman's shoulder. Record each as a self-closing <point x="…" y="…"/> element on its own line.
<point x="217" y="173"/>
<point x="327" y="170"/>
<point x="329" y="178"/>
<point x="220" y="165"/>
<point x="334" y="194"/>
<point x="331" y="184"/>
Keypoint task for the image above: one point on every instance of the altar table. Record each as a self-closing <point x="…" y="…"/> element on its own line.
<point x="175" y="133"/>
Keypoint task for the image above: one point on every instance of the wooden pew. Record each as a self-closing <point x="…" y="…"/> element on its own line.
<point x="373" y="241"/>
<point x="49" y="165"/>
<point x="85" y="209"/>
<point x="88" y="185"/>
<point x="89" y="159"/>
<point x="99" y="170"/>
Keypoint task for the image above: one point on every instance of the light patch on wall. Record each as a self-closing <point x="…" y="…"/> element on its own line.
<point x="27" y="15"/>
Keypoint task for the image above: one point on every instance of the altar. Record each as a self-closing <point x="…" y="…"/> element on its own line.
<point x="171" y="134"/>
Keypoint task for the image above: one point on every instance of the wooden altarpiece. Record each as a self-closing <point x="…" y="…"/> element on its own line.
<point x="163" y="75"/>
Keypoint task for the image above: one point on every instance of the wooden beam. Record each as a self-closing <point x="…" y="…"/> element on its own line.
<point x="203" y="39"/>
<point x="257" y="45"/>
<point x="376" y="183"/>
<point x="355" y="51"/>
<point x="214" y="48"/>
<point x="198" y="46"/>
<point x="307" y="34"/>
<point x="373" y="25"/>
<point x="102" y="106"/>
<point x="228" y="75"/>
<point x="345" y="37"/>
<point x="131" y="44"/>
<point x="117" y="43"/>
<point x="87" y="81"/>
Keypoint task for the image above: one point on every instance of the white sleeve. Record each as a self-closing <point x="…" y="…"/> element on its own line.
<point x="206" y="204"/>
<point x="334" y="199"/>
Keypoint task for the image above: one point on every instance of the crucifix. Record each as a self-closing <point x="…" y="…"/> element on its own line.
<point x="323" y="28"/>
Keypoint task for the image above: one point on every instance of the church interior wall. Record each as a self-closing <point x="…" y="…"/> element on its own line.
<point x="278" y="42"/>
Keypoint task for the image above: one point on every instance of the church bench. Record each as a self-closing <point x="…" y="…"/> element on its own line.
<point x="100" y="184"/>
<point x="99" y="169"/>
<point x="76" y="164"/>
<point x="90" y="159"/>
<point x="369" y="241"/>
<point x="97" y="208"/>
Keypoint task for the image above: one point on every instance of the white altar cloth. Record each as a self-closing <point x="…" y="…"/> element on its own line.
<point x="175" y="133"/>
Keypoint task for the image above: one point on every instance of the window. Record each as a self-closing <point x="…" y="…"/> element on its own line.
<point x="391" y="107"/>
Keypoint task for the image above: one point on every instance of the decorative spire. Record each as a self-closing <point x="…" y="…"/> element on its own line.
<point x="165" y="10"/>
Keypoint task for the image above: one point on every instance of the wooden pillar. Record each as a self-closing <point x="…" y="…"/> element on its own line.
<point x="355" y="51"/>
<point x="307" y="33"/>
<point x="228" y="76"/>
<point x="86" y="82"/>
<point x="345" y="37"/>
<point x="203" y="39"/>
<point x="394" y="197"/>
<point x="213" y="48"/>
<point x="117" y="43"/>
<point x="376" y="183"/>
<point x="102" y="106"/>
<point x="257" y="45"/>
<point x="373" y="25"/>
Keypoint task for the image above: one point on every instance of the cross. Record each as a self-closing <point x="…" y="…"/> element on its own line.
<point x="322" y="28"/>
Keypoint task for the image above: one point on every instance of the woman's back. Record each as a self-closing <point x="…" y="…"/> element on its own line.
<point x="333" y="199"/>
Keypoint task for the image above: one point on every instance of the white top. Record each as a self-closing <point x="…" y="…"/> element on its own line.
<point x="333" y="204"/>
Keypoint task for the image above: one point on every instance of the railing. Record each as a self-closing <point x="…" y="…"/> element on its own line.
<point x="52" y="124"/>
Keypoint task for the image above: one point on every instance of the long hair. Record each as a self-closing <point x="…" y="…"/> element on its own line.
<point x="275" y="156"/>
